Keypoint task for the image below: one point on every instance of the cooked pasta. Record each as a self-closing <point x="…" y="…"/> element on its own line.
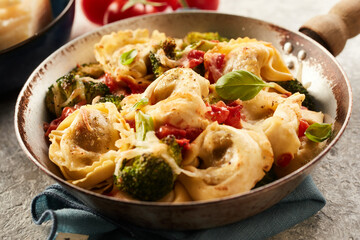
<point x="177" y="121"/>
<point x="83" y="145"/>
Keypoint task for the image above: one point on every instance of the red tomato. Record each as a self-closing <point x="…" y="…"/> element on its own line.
<point x="214" y="64"/>
<point x="219" y="112"/>
<point x="184" y="143"/>
<point x="174" y="4"/>
<point x="192" y="133"/>
<point x="226" y="114"/>
<point x="114" y="11"/>
<point x="110" y="82"/>
<point x="167" y="129"/>
<point x="195" y="57"/>
<point x="234" y="115"/>
<point x="189" y="133"/>
<point x="284" y="159"/>
<point x="94" y="10"/>
<point x="303" y="125"/>
<point x="203" y="4"/>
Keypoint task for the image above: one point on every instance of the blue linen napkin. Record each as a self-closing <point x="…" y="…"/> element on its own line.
<point x="69" y="215"/>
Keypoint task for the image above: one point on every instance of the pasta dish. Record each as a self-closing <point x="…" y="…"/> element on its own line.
<point x="157" y="118"/>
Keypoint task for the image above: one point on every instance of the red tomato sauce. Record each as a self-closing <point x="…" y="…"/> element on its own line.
<point x="226" y="114"/>
<point x="48" y="127"/>
<point x="183" y="136"/>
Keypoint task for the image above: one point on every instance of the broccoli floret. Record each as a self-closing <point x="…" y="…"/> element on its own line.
<point x="93" y="70"/>
<point x="114" y="99"/>
<point x="204" y="45"/>
<point x="156" y="66"/>
<point x="148" y="177"/>
<point x="174" y="149"/>
<point x="61" y="90"/>
<point x="194" y="37"/>
<point x="169" y="46"/>
<point x="70" y="90"/>
<point x="67" y="84"/>
<point x="49" y="100"/>
<point x="294" y="86"/>
<point x="93" y="89"/>
<point x="145" y="177"/>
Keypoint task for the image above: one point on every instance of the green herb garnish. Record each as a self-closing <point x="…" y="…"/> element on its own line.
<point x="240" y="84"/>
<point x="128" y="57"/>
<point x="143" y="124"/>
<point x="141" y="103"/>
<point x="318" y="132"/>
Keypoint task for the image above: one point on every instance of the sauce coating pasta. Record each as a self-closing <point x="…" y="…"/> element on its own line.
<point x="148" y="121"/>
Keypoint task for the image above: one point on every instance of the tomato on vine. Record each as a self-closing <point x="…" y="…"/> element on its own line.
<point x="107" y="11"/>
<point x="203" y="4"/>
<point x="121" y="9"/>
<point x="94" y="10"/>
<point x="174" y="4"/>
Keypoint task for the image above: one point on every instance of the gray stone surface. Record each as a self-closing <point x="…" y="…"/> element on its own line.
<point x="337" y="175"/>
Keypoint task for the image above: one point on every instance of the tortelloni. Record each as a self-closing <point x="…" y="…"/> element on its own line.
<point x="83" y="146"/>
<point x="110" y="49"/>
<point x="262" y="105"/>
<point x="282" y="128"/>
<point x="226" y="161"/>
<point x="258" y="57"/>
<point x="176" y="98"/>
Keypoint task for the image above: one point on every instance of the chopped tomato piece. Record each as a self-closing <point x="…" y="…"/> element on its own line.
<point x="219" y="112"/>
<point x="192" y="133"/>
<point x="184" y="143"/>
<point x="183" y="136"/>
<point x="110" y="82"/>
<point x="214" y="65"/>
<point x="167" y="129"/>
<point x="134" y="87"/>
<point x="195" y="58"/>
<point x="226" y="114"/>
<point x="284" y="159"/>
<point x="189" y="133"/>
<point x="131" y="123"/>
<point x="303" y="125"/>
<point x="234" y="116"/>
<point x="123" y="86"/>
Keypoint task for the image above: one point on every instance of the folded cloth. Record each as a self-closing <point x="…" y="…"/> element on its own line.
<point x="69" y="215"/>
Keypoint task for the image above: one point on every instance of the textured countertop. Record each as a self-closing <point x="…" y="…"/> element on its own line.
<point x="337" y="175"/>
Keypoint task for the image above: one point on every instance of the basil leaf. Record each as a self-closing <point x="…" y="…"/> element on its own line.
<point x="239" y="84"/>
<point x="141" y="103"/>
<point x="318" y="132"/>
<point x="128" y="57"/>
<point x="143" y="124"/>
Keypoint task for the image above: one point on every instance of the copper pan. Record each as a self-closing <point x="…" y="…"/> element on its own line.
<point x="329" y="85"/>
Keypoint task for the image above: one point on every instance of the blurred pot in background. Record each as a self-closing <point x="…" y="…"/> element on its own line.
<point x="26" y="41"/>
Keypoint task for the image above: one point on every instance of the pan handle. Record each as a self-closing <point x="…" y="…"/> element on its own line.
<point x="335" y="28"/>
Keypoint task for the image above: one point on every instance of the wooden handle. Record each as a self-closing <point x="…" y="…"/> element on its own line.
<point x="335" y="28"/>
